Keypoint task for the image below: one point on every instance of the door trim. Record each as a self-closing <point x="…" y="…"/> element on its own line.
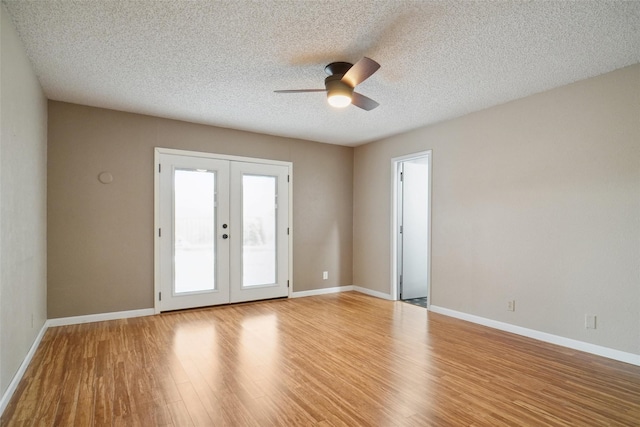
<point x="395" y="164"/>
<point x="156" y="214"/>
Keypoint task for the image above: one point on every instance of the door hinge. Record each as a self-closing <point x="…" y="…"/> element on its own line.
<point x="159" y="232"/>
<point x="287" y="231"/>
<point x="287" y="283"/>
<point x="400" y="229"/>
<point x="401" y="279"/>
<point x="401" y="176"/>
<point x="159" y="167"/>
<point x="159" y="296"/>
<point x="288" y="178"/>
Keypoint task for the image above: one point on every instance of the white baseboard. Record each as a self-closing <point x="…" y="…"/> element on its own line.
<point x="76" y="320"/>
<point x="337" y="289"/>
<point x="322" y="291"/>
<point x="598" y="350"/>
<point x="373" y="293"/>
<point x="13" y="385"/>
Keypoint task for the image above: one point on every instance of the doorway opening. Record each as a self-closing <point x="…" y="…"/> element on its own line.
<point x="411" y="228"/>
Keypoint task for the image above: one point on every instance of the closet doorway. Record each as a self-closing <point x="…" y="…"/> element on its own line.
<point x="412" y="228"/>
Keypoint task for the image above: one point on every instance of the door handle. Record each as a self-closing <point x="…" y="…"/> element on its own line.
<point x="225" y="236"/>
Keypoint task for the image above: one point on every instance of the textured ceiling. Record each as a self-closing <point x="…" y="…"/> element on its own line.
<point x="218" y="63"/>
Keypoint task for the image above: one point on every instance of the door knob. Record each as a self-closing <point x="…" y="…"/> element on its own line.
<point x="224" y="225"/>
<point x="225" y="236"/>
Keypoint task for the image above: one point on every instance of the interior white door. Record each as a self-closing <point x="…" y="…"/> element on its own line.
<point x="223" y="231"/>
<point x="414" y="222"/>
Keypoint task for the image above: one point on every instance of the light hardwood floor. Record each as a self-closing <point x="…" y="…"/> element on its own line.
<point x="332" y="360"/>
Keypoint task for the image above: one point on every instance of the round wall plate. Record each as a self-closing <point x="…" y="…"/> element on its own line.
<point x="105" y="178"/>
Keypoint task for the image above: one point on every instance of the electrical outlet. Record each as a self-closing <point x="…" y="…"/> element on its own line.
<point x="590" y="321"/>
<point x="511" y="305"/>
<point x="325" y="275"/>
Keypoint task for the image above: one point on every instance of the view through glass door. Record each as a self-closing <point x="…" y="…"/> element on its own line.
<point x="223" y="230"/>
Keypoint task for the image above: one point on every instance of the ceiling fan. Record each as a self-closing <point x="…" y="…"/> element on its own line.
<point x="343" y="78"/>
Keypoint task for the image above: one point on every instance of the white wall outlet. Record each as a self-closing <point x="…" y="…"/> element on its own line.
<point x="325" y="275"/>
<point x="590" y="321"/>
<point x="511" y="305"/>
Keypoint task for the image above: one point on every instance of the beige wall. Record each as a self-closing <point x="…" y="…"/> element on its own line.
<point x="537" y="200"/>
<point x="23" y="162"/>
<point x="101" y="236"/>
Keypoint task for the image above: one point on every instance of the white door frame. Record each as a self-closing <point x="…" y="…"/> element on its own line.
<point x="156" y="222"/>
<point x="395" y="164"/>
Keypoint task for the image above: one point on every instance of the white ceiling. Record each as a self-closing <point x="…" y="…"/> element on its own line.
<point x="218" y="63"/>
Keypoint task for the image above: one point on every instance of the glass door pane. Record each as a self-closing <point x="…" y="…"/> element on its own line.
<point x="258" y="230"/>
<point x="194" y="231"/>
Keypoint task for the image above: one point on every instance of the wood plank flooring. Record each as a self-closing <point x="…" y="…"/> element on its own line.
<point x="334" y="360"/>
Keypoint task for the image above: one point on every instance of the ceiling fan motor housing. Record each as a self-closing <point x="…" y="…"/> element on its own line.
<point x="338" y="68"/>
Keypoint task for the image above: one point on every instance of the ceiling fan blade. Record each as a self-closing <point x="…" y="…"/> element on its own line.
<point x="363" y="102"/>
<point x="299" y="90"/>
<point x="360" y="71"/>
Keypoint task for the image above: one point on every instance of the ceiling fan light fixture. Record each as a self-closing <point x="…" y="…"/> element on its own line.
<point x="338" y="100"/>
<point x="339" y="93"/>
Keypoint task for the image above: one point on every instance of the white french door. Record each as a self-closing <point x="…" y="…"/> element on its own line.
<point x="223" y="230"/>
